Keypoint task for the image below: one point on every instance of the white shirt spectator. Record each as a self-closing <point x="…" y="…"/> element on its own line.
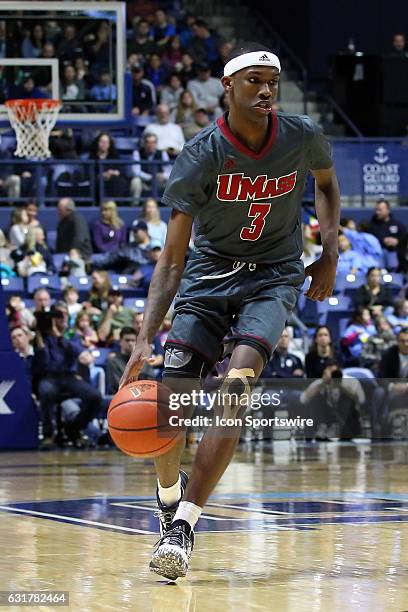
<point x="169" y="136"/>
<point x="206" y="93"/>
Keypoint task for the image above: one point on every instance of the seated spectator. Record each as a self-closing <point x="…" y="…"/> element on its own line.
<point x="55" y="371"/>
<point x="156" y="228"/>
<point x="147" y="269"/>
<point x="105" y="90"/>
<point x="334" y="403"/>
<point x="282" y="363"/>
<point x="71" y="88"/>
<point x="85" y="331"/>
<point x="223" y="105"/>
<point x="71" y="299"/>
<point x="320" y="353"/>
<point x="140" y="234"/>
<point x="142" y="41"/>
<point x="357" y="333"/>
<point x="171" y="93"/>
<point x="114" y="176"/>
<point x="162" y="30"/>
<point x="204" y="45"/>
<point x="32" y="213"/>
<point x="68" y="45"/>
<point x="19" y="227"/>
<point x="350" y="261"/>
<point x="311" y="250"/>
<point x="6" y="262"/>
<point x="116" y="363"/>
<point x="97" y="300"/>
<point x="74" y="264"/>
<point x="398" y="319"/>
<point x="128" y="258"/>
<point x="224" y="52"/>
<point x="149" y="176"/>
<point x="391" y="234"/>
<point x="72" y="229"/>
<point x="10" y="181"/>
<point x="373" y="295"/>
<point x="109" y="232"/>
<point x="98" y="48"/>
<point x="201" y="121"/>
<point x="21" y="339"/>
<point x="17" y="313"/>
<point x="376" y="345"/>
<point x="142" y="93"/>
<point x="363" y="242"/>
<point x="187" y="69"/>
<point x="28" y="89"/>
<point x="41" y="300"/>
<point x="116" y="316"/>
<point x="36" y="257"/>
<point x="186" y="31"/>
<point x="394" y="364"/>
<point x="33" y="42"/>
<point x="156" y="71"/>
<point x="174" y="53"/>
<point x="184" y="114"/>
<point x="399" y="45"/>
<point x="169" y="135"/>
<point x="206" y="90"/>
<point x="81" y="66"/>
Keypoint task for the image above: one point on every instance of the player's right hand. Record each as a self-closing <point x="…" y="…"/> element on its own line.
<point x="141" y="355"/>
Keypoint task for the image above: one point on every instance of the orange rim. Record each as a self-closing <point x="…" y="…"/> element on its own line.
<point x="26" y="109"/>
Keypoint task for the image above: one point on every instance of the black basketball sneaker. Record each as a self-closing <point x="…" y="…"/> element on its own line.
<point x="173" y="551"/>
<point x="166" y="514"/>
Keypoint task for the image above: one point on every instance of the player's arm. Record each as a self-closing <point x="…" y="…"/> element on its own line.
<point x="163" y="288"/>
<point x="327" y="203"/>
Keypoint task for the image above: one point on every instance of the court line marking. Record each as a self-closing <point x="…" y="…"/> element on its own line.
<point x="72" y="519"/>
<point x="151" y="509"/>
<point x="255" y="510"/>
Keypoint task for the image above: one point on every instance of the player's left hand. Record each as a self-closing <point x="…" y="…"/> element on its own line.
<point x="323" y="273"/>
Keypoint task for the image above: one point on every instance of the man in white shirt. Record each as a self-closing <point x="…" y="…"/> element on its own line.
<point x="205" y="89"/>
<point x="170" y="136"/>
<point x="151" y="175"/>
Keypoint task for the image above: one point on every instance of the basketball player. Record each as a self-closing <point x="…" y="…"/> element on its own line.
<point x="242" y="178"/>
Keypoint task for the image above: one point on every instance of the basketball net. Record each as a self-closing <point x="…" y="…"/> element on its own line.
<point x="32" y="121"/>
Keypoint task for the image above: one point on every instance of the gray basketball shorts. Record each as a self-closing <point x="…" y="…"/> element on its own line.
<point x="220" y="300"/>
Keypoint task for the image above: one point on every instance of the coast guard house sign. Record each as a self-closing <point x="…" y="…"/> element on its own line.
<point x="381" y="176"/>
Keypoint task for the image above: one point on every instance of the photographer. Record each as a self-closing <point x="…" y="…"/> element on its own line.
<point x="55" y="372"/>
<point x="333" y="402"/>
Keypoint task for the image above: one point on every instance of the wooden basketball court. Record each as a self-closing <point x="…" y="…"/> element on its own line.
<point x="290" y="527"/>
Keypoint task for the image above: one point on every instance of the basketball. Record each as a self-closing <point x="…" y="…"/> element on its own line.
<point x="138" y="419"/>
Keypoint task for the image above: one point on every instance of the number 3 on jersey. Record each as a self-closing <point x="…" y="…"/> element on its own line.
<point x="259" y="212"/>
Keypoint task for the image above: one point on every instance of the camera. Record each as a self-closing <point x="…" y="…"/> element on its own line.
<point x="44" y="320"/>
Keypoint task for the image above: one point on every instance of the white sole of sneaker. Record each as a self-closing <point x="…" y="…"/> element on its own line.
<point x="169" y="561"/>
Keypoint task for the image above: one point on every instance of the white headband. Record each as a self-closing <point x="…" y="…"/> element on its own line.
<point x="256" y="58"/>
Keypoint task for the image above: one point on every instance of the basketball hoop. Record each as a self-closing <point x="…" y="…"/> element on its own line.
<point x="32" y="121"/>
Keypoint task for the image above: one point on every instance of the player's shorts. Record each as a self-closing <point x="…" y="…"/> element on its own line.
<point x="222" y="300"/>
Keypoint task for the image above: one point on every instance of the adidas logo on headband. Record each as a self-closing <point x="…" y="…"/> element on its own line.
<point x="254" y="58"/>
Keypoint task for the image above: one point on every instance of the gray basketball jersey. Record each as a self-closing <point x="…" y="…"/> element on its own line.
<point x="247" y="204"/>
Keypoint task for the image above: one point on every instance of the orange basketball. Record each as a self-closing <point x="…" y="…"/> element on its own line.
<point x="139" y="419"/>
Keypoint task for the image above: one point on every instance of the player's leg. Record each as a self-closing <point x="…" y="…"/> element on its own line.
<point x="182" y="373"/>
<point x="214" y="454"/>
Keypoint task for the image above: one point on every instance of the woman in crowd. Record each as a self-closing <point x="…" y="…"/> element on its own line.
<point x="19" y="227"/>
<point x="85" y="331"/>
<point x="184" y="114"/>
<point x="103" y="149"/>
<point x="171" y="93"/>
<point x="33" y="43"/>
<point x="360" y="328"/>
<point x="109" y="232"/>
<point x="35" y="255"/>
<point x="373" y="295"/>
<point x="321" y="352"/>
<point x="98" y="294"/>
<point x="157" y="228"/>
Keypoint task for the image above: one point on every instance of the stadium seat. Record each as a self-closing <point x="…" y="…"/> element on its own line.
<point x="360" y="373"/>
<point x="349" y="281"/>
<point x="101" y="355"/>
<point x="52" y="283"/>
<point x="52" y="239"/>
<point x="122" y="282"/>
<point x="58" y="259"/>
<point x="136" y="303"/>
<point x="13" y="285"/>
<point x="332" y="311"/>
